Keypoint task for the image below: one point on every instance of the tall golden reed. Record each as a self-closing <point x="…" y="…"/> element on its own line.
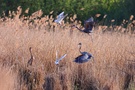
<point x="112" y="51"/>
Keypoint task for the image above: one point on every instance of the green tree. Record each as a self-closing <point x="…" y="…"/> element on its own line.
<point x="115" y="9"/>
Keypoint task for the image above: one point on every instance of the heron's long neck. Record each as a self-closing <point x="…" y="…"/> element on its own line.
<point x="80" y="49"/>
<point x="78" y="28"/>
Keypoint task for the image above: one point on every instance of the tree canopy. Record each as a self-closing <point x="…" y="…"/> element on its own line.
<point x="114" y="9"/>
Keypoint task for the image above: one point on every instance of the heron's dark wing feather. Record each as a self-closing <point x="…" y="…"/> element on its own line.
<point x="81" y="59"/>
<point x="86" y="25"/>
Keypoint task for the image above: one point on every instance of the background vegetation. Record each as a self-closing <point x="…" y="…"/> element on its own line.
<point x="115" y="9"/>
<point x="113" y="49"/>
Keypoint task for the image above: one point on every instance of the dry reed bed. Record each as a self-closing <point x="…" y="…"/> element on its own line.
<point x="8" y="79"/>
<point x="113" y="53"/>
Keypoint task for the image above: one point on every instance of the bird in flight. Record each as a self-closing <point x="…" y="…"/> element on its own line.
<point x="59" y="59"/>
<point x="61" y="16"/>
<point x="88" y="26"/>
<point x="84" y="57"/>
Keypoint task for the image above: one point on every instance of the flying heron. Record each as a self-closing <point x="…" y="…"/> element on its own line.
<point x="61" y="16"/>
<point x="59" y="59"/>
<point x="88" y="26"/>
<point x="29" y="63"/>
<point x="84" y="57"/>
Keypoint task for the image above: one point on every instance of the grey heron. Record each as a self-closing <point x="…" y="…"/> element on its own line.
<point x="60" y="17"/>
<point x="29" y="63"/>
<point x="84" y="57"/>
<point x="88" y="26"/>
<point x="58" y="60"/>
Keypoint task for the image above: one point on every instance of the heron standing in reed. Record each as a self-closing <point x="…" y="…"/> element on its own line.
<point x="30" y="61"/>
<point x="60" y="17"/>
<point x="84" y="57"/>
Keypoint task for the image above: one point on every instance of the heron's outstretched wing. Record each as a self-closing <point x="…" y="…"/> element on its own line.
<point x="61" y="16"/>
<point x="86" y="25"/>
<point x="89" y="24"/>
<point x="65" y="16"/>
<point x="58" y="60"/>
<point x="62" y="57"/>
<point x="81" y="59"/>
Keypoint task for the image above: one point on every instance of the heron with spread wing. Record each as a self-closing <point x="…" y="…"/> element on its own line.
<point x="59" y="59"/>
<point x="61" y="16"/>
<point x="84" y="57"/>
<point x="88" y="26"/>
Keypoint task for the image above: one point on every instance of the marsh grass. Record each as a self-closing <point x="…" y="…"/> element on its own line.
<point x="113" y="53"/>
<point x="8" y="79"/>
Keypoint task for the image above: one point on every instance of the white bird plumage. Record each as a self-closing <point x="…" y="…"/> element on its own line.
<point x="60" y="17"/>
<point x="59" y="59"/>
